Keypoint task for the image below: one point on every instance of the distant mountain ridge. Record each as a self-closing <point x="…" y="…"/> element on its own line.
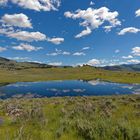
<point x="124" y="67"/>
<point x="12" y="64"/>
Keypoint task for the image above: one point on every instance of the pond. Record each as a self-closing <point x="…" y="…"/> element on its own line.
<point x="66" y="88"/>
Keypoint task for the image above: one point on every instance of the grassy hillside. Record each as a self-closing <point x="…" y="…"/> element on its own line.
<point x="12" y="71"/>
<point x="13" y="65"/>
<point x="75" y="118"/>
<point x="85" y="73"/>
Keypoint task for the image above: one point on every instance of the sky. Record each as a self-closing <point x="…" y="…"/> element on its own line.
<point x="71" y="32"/>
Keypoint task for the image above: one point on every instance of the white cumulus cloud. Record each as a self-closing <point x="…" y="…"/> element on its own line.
<point x="136" y="51"/>
<point x="55" y="63"/>
<point x="94" y="18"/>
<point x="92" y="3"/>
<point x="56" y="40"/>
<point x="26" y="47"/>
<point x="58" y="52"/>
<point x="84" y="33"/>
<point x="137" y="13"/>
<point x="19" y="20"/>
<point x="127" y="57"/>
<point x="129" y="30"/>
<point x="94" y="62"/>
<point x="2" y="49"/>
<point x="86" y="48"/>
<point x="19" y="58"/>
<point x="27" y="36"/>
<point x="37" y="5"/>
<point x="136" y="61"/>
<point x="79" y="54"/>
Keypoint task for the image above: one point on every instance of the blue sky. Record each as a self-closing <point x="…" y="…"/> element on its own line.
<point x="71" y="32"/>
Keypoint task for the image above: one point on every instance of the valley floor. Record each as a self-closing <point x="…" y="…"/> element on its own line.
<point x="71" y="118"/>
<point x="84" y="73"/>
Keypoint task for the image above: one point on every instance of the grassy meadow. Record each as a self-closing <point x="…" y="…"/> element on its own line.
<point x="84" y="73"/>
<point x="71" y="118"/>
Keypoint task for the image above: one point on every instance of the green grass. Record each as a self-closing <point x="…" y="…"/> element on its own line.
<point x="71" y="118"/>
<point x="84" y="73"/>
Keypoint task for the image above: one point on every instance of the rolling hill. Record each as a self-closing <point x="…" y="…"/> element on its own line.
<point x="11" y="64"/>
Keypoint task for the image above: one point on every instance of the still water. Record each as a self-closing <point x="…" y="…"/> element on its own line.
<point x="66" y="88"/>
